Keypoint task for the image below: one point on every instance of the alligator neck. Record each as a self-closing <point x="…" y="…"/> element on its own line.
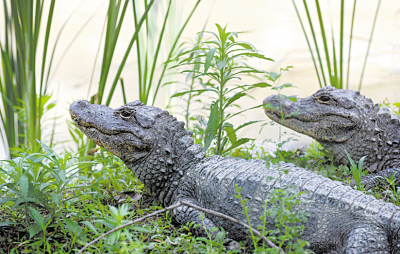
<point x="172" y="155"/>
<point x="377" y="142"/>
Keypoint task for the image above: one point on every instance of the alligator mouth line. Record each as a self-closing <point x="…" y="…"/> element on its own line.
<point x="91" y="131"/>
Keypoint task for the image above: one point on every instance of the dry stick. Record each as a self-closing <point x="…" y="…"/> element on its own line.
<point x="271" y="244"/>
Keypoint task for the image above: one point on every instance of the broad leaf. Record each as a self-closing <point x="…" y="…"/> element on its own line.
<point x="231" y="133"/>
<point x="261" y="84"/>
<point x="234" y="98"/>
<point x="221" y="64"/>
<point x="209" y="58"/>
<point x="237" y="143"/>
<point x="33" y="230"/>
<point x="37" y="217"/>
<point x="90" y="225"/>
<point x="212" y="126"/>
<point x="24" y="185"/>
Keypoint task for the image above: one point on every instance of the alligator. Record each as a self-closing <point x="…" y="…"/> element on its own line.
<point x="162" y="154"/>
<point x="343" y="121"/>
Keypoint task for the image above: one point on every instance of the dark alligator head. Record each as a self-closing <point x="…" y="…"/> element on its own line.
<point x="328" y="115"/>
<point x="123" y="131"/>
<point x="341" y="119"/>
<point x="152" y="143"/>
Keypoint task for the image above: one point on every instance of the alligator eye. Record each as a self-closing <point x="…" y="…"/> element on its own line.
<point x="125" y="115"/>
<point x="324" y="98"/>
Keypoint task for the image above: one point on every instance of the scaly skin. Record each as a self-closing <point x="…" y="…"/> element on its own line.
<point x="161" y="153"/>
<point x="342" y="120"/>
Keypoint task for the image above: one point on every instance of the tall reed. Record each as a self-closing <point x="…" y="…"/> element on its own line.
<point x="334" y="62"/>
<point x="24" y="74"/>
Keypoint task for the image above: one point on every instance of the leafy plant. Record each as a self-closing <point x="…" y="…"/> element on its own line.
<point x="357" y="170"/>
<point x="281" y="207"/>
<point x="335" y="62"/>
<point x="37" y="184"/>
<point x="219" y="62"/>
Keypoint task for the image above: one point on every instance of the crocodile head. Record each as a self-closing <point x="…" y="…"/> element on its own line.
<point x="126" y="131"/>
<point x="342" y="120"/>
<point x="328" y="115"/>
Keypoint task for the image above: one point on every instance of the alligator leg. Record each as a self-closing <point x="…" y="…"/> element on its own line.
<point x="371" y="180"/>
<point x="184" y="214"/>
<point x="366" y="238"/>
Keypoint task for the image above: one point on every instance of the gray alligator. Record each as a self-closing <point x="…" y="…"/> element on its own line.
<point x="342" y="120"/>
<point x="158" y="149"/>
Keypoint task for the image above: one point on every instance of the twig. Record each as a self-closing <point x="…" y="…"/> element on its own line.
<point x="271" y="244"/>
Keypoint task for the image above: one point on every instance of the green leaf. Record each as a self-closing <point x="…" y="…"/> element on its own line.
<point x="221" y="64"/>
<point x="33" y="230"/>
<point x="141" y="229"/>
<point x="282" y="86"/>
<point x="234" y="98"/>
<point x="24" y="185"/>
<point x="56" y="197"/>
<point x="292" y="98"/>
<point x="6" y="223"/>
<point x="238" y="143"/>
<point x="44" y="185"/>
<point x="25" y="200"/>
<point x="212" y="126"/>
<point x="230" y="132"/>
<point x="209" y="58"/>
<point x="273" y="76"/>
<point x="46" y="148"/>
<point x="72" y="226"/>
<point x="244" y="45"/>
<point x="90" y="225"/>
<point x="261" y="84"/>
<point x="37" y="217"/>
<point x="246" y="124"/>
<point x="199" y="91"/>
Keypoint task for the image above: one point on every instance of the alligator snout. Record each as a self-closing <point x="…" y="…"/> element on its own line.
<point x="275" y="105"/>
<point x="78" y="106"/>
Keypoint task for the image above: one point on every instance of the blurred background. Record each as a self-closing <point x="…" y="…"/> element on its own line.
<point x="79" y="29"/>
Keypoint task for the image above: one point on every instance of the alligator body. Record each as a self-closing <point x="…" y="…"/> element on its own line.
<point x="342" y="120"/>
<point x="158" y="149"/>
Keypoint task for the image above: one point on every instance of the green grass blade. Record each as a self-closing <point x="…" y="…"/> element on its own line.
<point x="96" y="58"/>
<point x="369" y="45"/>
<point x="308" y="43"/>
<point x="351" y="38"/>
<point x="321" y="24"/>
<point x="123" y="90"/>
<point x="341" y="44"/>
<point x="139" y="61"/>
<point x="157" y="51"/>
<point x="315" y="41"/>
<point x="335" y="63"/>
<point x="133" y="39"/>
<point x="172" y="50"/>
<point x="112" y="33"/>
